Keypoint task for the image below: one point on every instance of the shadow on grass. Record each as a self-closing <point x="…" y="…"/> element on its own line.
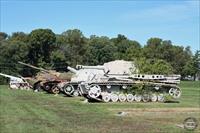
<point x="172" y="102"/>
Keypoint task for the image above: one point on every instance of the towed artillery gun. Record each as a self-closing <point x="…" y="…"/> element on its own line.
<point x="48" y="80"/>
<point x="108" y="84"/>
<point x="17" y="82"/>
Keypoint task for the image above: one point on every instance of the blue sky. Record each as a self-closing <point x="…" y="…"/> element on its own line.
<point x="177" y="21"/>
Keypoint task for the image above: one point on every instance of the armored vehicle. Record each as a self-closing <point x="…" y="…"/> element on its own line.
<point x="17" y="82"/>
<point x="48" y="80"/>
<point x="112" y="82"/>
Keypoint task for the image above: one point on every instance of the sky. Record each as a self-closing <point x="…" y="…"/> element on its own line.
<point x="173" y="20"/>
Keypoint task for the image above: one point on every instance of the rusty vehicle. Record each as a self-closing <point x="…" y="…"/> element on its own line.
<point x="48" y="80"/>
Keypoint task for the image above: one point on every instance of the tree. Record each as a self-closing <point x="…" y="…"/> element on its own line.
<point x="11" y="53"/>
<point x="126" y="49"/>
<point x="196" y="59"/>
<point x="58" y="60"/>
<point x="151" y="50"/>
<point x="19" y="36"/>
<point x="3" y="36"/>
<point x="153" y="66"/>
<point x="74" y="42"/>
<point x="41" y="42"/>
<point x="99" y="51"/>
<point x="177" y="56"/>
<point x="192" y="67"/>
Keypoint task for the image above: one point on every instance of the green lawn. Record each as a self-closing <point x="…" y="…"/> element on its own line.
<point x="26" y="111"/>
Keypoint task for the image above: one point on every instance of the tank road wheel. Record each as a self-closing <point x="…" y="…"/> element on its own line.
<point x="153" y="97"/>
<point x="55" y="89"/>
<point x="122" y="98"/>
<point x="175" y="92"/>
<point x="130" y="97"/>
<point x="145" y="98"/>
<point x="68" y="89"/>
<point x="161" y="98"/>
<point x="76" y="93"/>
<point x="114" y="97"/>
<point x="138" y="98"/>
<point x="94" y="91"/>
<point x="106" y="97"/>
<point x="47" y="87"/>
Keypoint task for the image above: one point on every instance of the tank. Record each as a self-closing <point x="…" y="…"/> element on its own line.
<point x="115" y="82"/>
<point x="81" y="75"/>
<point x="17" y="82"/>
<point x="48" y="80"/>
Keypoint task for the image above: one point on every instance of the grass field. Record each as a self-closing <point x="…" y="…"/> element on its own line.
<point x="26" y="112"/>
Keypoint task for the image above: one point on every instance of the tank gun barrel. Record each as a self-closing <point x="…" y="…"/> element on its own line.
<point x="38" y="68"/>
<point x="90" y="67"/>
<point x="72" y="69"/>
<point x="7" y="76"/>
<point x="13" y="78"/>
<point x="93" y="67"/>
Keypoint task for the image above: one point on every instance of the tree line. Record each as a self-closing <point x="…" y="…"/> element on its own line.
<point x="44" y="48"/>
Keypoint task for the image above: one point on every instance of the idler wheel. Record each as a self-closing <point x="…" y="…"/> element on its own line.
<point x="175" y="92"/>
<point x="153" y="97"/>
<point x="114" y="97"/>
<point x="161" y="98"/>
<point x="122" y="98"/>
<point x="138" y="98"/>
<point x="130" y="97"/>
<point x="106" y="97"/>
<point x="76" y="93"/>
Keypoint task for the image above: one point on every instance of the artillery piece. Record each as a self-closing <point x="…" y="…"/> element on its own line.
<point x="48" y="80"/>
<point x="102" y="83"/>
<point x="17" y="82"/>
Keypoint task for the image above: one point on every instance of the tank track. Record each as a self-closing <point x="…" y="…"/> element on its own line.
<point x="125" y="91"/>
<point x="21" y="86"/>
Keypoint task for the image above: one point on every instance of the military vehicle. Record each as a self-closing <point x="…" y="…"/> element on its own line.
<point x="114" y="82"/>
<point x="48" y="80"/>
<point x="17" y="82"/>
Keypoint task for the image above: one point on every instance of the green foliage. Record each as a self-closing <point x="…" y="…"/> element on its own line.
<point x="19" y="36"/>
<point x="11" y="52"/>
<point x="3" y="36"/>
<point x="153" y="66"/>
<point x="126" y="49"/>
<point x="74" y="43"/>
<point x="176" y="56"/>
<point x="41" y="42"/>
<point x="99" y="51"/>
<point x="58" y="60"/>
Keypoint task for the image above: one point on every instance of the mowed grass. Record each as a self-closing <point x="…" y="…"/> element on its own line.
<point x="26" y="111"/>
